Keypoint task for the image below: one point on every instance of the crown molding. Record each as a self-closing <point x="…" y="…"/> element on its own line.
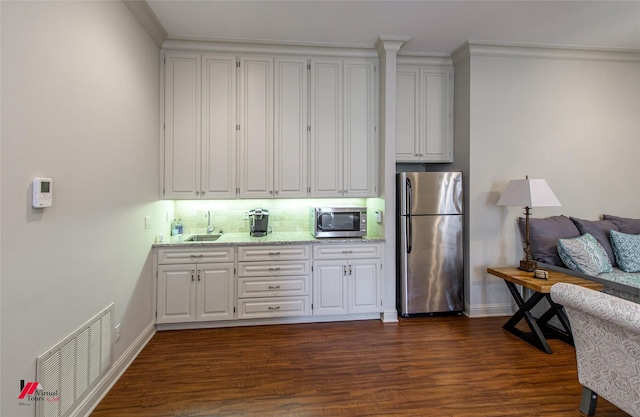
<point x="245" y="46"/>
<point x="473" y="48"/>
<point x="141" y="10"/>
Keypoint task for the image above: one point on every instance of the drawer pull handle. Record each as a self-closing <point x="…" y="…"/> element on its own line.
<point x="192" y="274"/>
<point x="274" y="269"/>
<point x="197" y="256"/>
<point x="274" y="253"/>
<point x="274" y="287"/>
<point x="274" y="308"/>
<point x="347" y="251"/>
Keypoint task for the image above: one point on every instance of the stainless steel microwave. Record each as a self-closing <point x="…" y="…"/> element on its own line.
<point x="338" y="221"/>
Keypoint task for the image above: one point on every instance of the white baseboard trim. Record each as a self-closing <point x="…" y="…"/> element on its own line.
<point x="112" y="376"/>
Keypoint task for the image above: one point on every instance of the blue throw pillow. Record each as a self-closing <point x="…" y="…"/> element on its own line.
<point x="584" y="254"/>
<point x="626" y="247"/>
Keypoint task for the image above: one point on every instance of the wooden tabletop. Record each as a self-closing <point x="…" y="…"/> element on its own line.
<point x="527" y="280"/>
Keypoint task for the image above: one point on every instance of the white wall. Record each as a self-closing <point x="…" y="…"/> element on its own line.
<point x="570" y="117"/>
<point x="80" y="103"/>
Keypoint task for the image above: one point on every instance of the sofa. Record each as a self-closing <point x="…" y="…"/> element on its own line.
<point x="606" y="333"/>
<point x="606" y="250"/>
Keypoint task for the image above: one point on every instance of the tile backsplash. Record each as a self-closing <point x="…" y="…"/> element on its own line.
<point x="284" y="215"/>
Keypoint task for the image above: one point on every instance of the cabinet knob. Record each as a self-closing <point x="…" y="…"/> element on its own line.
<point x="344" y="270"/>
<point x="350" y="270"/>
<point x="197" y="192"/>
<point x="192" y="275"/>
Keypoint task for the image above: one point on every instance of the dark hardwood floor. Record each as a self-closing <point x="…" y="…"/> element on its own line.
<point x="433" y="366"/>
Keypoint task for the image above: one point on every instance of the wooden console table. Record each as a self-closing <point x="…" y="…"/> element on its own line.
<point x="540" y="328"/>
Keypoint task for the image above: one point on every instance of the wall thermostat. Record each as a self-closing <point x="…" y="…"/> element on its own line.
<point x="42" y="192"/>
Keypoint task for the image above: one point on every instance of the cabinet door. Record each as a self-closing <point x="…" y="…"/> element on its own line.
<point x="215" y="292"/>
<point x="329" y="288"/>
<point x="359" y="142"/>
<point x="182" y="126"/>
<point x="218" y="171"/>
<point x="326" y="128"/>
<point x="290" y="124"/>
<point x="176" y="293"/>
<point x="436" y="118"/>
<point x="256" y="127"/>
<point x="363" y="286"/>
<point x="407" y="104"/>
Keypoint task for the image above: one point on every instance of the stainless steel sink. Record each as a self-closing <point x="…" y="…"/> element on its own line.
<point x="202" y="238"/>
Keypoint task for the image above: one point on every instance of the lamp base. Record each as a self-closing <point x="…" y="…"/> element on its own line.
<point x="528" y="266"/>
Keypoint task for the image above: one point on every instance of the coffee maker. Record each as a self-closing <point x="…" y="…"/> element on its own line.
<point x="258" y="222"/>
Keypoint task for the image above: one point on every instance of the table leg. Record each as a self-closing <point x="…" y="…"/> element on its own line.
<point x="536" y="336"/>
<point x="557" y="310"/>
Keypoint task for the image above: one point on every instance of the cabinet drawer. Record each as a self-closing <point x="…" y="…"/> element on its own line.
<point x="272" y="269"/>
<point x="356" y="251"/>
<point x="250" y="308"/>
<point x="190" y="255"/>
<point x="270" y="287"/>
<point x="273" y="253"/>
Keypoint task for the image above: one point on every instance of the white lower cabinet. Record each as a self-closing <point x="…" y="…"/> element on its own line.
<point x="273" y="281"/>
<point x="191" y="287"/>
<point x="346" y="279"/>
<point x="214" y="283"/>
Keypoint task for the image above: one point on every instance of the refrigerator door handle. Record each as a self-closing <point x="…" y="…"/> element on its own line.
<point x="409" y="224"/>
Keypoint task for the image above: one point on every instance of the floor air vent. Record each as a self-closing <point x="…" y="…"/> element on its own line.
<point x="72" y="367"/>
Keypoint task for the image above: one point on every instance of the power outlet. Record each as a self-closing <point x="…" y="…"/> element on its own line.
<point x="147" y="222"/>
<point x="118" y="331"/>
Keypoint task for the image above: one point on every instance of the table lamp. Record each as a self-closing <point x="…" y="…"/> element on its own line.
<point x="528" y="193"/>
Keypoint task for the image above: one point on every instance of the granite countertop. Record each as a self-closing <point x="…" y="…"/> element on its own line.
<point x="275" y="238"/>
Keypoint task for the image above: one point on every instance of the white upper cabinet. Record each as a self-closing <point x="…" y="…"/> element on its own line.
<point x="290" y="128"/>
<point x="261" y="126"/>
<point x="273" y="129"/>
<point x="255" y="156"/>
<point x="343" y="145"/>
<point x="326" y="128"/>
<point x="424" y="114"/>
<point x="200" y="114"/>
<point x="359" y="158"/>
<point x="218" y="171"/>
<point x="182" y="90"/>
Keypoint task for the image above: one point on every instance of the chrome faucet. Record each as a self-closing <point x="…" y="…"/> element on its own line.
<point x="209" y="227"/>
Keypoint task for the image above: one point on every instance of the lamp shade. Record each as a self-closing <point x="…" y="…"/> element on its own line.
<point x="528" y="193"/>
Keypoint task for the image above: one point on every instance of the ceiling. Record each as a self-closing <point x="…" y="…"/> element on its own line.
<point x="433" y="26"/>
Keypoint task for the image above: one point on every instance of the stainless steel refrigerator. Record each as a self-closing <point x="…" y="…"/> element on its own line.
<point x="430" y="253"/>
